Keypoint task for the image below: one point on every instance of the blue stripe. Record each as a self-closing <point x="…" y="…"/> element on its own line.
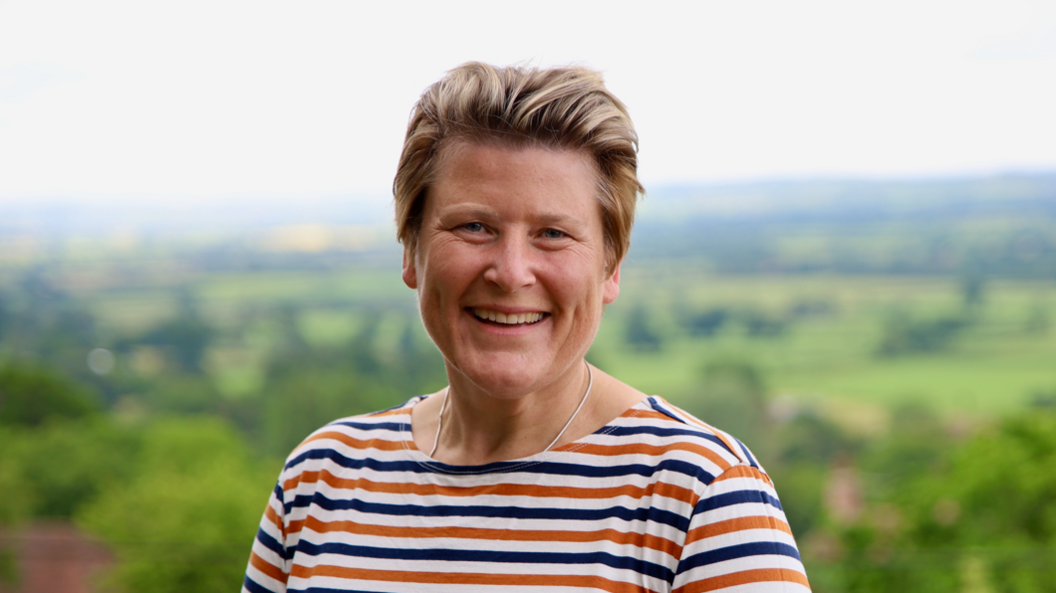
<point x="271" y="543"/>
<point x="671" y="465"/>
<point x="692" y="470"/>
<point x="252" y="586"/>
<point x="500" y="512"/>
<point x="734" y="552"/>
<point x="655" y="404"/>
<point x="702" y="432"/>
<point x="364" y="426"/>
<point x="368" y="426"/>
<point x="747" y="454"/>
<point x="669" y="432"/>
<point x="447" y="555"/>
<point x="588" y="471"/>
<point x="718" y="501"/>
<point x="541" y="467"/>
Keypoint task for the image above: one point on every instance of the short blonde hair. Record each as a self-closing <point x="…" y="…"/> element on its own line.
<point x="562" y="108"/>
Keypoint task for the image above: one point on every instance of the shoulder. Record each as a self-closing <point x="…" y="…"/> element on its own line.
<point x="670" y="432"/>
<point x="349" y="441"/>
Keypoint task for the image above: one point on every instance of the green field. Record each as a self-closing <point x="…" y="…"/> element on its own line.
<point x="996" y="365"/>
<point x="826" y="357"/>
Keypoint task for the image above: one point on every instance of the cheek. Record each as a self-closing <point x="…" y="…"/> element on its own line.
<point x="578" y="289"/>
<point x="447" y="277"/>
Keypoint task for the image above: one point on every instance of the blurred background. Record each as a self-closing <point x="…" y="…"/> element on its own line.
<point x="846" y="258"/>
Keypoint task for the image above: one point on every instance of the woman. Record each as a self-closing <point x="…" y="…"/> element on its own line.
<point x="533" y="470"/>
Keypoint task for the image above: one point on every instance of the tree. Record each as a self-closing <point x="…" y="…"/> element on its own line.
<point x="31" y="395"/>
<point x="760" y="325"/>
<point x="639" y="335"/>
<point x="708" y="323"/>
<point x="984" y="519"/>
<point x="18" y="503"/>
<point x="973" y="289"/>
<point x="65" y="464"/>
<point x="903" y="335"/>
<point x="185" y="337"/>
<point x="732" y="397"/>
<point x="186" y="521"/>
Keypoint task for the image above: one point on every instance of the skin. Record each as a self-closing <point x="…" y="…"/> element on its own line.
<point x="518" y="231"/>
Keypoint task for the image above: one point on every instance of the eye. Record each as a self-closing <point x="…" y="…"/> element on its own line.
<point x="473" y="227"/>
<point x="553" y="234"/>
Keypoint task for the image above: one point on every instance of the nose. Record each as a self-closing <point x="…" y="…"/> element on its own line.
<point x="511" y="267"/>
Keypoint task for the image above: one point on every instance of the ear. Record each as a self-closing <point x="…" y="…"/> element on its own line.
<point x="410" y="273"/>
<point x="611" y="287"/>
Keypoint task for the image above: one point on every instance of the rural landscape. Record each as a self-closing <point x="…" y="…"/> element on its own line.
<point x="886" y="348"/>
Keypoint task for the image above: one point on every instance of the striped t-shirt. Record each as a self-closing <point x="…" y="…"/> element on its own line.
<point x="654" y="501"/>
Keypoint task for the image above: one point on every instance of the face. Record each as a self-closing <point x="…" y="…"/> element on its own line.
<point x="510" y="266"/>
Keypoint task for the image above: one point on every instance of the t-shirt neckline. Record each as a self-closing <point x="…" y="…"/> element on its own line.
<point x="419" y="456"/>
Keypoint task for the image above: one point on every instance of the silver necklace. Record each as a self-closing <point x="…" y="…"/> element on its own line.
<point x="443" y="404"/>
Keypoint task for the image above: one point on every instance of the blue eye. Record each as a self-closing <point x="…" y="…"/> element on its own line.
<point x="473" y="227"/>
<point x="553" y="234"/>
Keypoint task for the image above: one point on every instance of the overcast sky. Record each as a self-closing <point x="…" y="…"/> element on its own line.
<point x="188" y="100"/>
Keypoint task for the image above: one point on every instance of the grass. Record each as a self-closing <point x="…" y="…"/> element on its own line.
<point x="998" y="364"/>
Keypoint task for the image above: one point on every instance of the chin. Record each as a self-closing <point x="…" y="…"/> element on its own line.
<point x="503" y="377"/>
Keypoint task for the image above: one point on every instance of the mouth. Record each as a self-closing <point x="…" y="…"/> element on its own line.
<point x="507" y="319"/>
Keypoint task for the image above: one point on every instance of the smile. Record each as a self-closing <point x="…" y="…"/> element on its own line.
<point x="507" y="319"/>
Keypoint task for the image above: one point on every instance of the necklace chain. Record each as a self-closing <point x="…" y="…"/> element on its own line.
<point x="443" y="405"/>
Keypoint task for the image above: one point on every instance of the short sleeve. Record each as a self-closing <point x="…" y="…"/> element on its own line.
<point x="269" y="564"/>
<point x="739" y="540"/>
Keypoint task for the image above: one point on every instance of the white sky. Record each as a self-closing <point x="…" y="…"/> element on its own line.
<point x="192" y="100"/>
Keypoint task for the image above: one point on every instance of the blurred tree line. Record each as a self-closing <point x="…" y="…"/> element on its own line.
<point x="925" y="506"/>
<point x="176" y="499"/>
<point x="996" y="227"/>
<point x="167" y="470"/>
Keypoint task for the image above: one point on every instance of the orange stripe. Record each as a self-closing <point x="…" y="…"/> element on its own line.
<point x="651" y="450"/>
<point x="718" y="434"/>
<point x="654" y="415"/>
<point x="336" y="435"/>
<point x="745" y="577"/>
<point x="267" y="568"/>
<point x="734" y="449"/>
<point x="354" y="443"/>
<point x="738" y="524"/>
<point x="273" y="517"/>
<point x="295" y="527"/>
<point x="744" y="471"/>
<point x="662" y="489"/>
<point x="467" y="578"/>
<point x="651" y="542"/>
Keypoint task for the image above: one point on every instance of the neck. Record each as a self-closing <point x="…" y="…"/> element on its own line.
<point x="479" y="428"/>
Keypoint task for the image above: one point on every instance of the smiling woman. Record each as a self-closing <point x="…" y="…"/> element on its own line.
<point x="532" y="470"/>
<point x="505" y="233"/>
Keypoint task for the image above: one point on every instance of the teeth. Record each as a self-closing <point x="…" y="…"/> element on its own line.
<point x="511" y="319"/>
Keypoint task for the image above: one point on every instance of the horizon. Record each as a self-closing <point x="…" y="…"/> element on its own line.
<point x="754" y="199"/>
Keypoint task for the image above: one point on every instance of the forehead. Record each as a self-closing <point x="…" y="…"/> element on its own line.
<point x="501" y="172"/>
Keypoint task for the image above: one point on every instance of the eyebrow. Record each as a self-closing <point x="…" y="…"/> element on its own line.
<point x="484" y="212"/>
<point x="467" y="210"/>
<point x="559" y="219"/>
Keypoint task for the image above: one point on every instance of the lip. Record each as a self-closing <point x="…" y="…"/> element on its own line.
<point x="506" y="330"/>
<point x="506" y="310"/>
